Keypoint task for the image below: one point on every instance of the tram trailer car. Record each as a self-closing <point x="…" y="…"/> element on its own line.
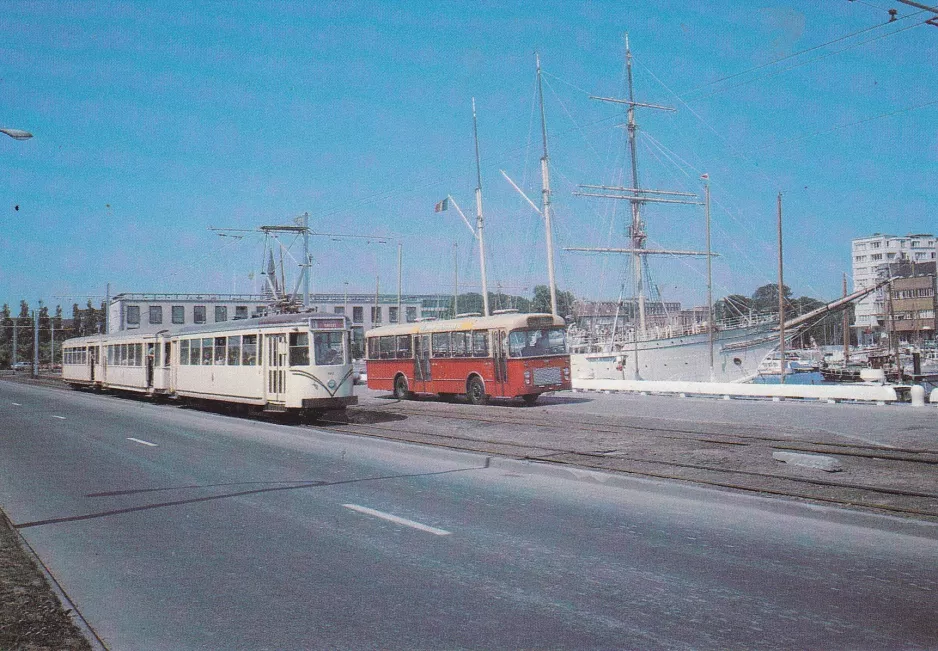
<point x="504" y="356"/>
<point x="280" y="363"/>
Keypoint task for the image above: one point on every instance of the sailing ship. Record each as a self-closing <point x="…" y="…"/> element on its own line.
<point x="729" y="351"/>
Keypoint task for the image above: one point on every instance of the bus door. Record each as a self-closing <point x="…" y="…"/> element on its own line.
<point x="500" y="357"/>
<point x="422" y="375"/>
<point x="275" y="359"/>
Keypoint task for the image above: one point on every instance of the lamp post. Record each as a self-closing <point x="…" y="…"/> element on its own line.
<point x="17" y="134"/>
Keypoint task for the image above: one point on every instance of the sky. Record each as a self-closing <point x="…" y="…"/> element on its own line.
<point x="156" y="122"/>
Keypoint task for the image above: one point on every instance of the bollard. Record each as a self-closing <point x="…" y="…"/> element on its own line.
<point x="918" y="395"/>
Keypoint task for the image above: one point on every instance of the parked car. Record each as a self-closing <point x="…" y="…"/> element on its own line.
<point x="23" y="366"/>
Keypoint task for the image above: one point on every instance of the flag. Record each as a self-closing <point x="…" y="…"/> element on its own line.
<point x="442" y="205"/>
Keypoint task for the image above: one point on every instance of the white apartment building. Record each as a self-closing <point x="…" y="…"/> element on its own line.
<point x="870" y="256"/>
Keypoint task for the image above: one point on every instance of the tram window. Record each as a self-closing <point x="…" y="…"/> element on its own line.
<point x="154" y="349"/>
<point x="249" y="350"/>
<point x="167" y="353"/>
<point x="184" y="352"/>
<point x="220" y="351"/>
<point x="386" y="347"/>
<point x="195" y="352"/>
<point x="299" y="349"/>
<point x="234" y="350"/>
<point x="328" y="347"/>
<point x="138" y="354"/>
<point x="480" y="343"/>
<point x="207" y="351"/>
<point x="404" y="350"/>
<point x="440" y="344"/>
<point x="460" y="349"/>
<point x="122" y="361"/>
<point x="198" y="313"/>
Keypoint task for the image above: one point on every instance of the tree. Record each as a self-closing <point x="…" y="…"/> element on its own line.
<point x="734" y="306"/>
<point x="541" y="301"/>
<point x="765" y="298"/>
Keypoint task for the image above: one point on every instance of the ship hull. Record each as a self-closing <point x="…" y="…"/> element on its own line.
<point x="737" y="354"/>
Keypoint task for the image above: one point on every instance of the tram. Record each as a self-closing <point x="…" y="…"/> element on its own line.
<point x="280" y="363"/>
<point x="505" y="356"/>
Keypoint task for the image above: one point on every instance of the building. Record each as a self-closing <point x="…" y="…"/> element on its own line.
<point x="910" y="317"/>
<point x="871" y="257"/>
<point x="150" y="312"/>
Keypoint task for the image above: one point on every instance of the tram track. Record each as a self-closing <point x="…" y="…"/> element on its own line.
<point x="900" y="499"/>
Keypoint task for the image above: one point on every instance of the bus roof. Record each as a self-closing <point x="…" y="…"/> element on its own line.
<point x="506" y="321"/>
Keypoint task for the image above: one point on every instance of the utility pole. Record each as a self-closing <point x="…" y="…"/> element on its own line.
<point x="400" y="254"/>
<point x="781" y="297"/>
<point x="376" y="317"/>
<point x="35" y="343"/>
<point x="709" y="279"/>
<point x="15" y="319"/>
<point x="846" y="328"/>
<point x="455" y="279"/>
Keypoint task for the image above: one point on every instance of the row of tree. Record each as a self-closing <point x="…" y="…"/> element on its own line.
<point x="827" y="330"/>
<point x="53" y="330"/>
<point x="540" y="302"/>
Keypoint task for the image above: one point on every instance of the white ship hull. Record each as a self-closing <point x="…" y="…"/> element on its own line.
<point x="737" y="353"/>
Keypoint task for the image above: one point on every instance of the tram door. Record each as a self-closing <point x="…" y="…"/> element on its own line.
<point x="276" y="371"/>
<point x="91" y="360"/>
<point x="499" y="354"/>
<point x="422" y="374"/>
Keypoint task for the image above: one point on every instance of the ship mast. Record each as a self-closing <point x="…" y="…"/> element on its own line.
<point x="637" y="196"/>
<point x="545" y="195"/>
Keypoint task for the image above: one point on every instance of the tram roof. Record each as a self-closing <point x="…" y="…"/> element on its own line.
<point x="513" y="321"/>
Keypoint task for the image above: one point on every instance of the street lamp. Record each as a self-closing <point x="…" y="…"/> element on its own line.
<point x="17" y="134"/>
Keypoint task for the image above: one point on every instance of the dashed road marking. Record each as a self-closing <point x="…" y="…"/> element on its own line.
<point x="141" y="442"/>
<point x="16" y="404"/>
<point x="59" y="417"/>
<point x="397" y="519"/>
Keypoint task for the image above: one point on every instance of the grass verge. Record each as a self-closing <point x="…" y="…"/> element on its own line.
<point x="31" y="616"/>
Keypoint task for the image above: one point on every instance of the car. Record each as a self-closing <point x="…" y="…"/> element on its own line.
<point x="22" y="366"/>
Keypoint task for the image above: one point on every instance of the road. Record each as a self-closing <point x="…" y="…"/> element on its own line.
<point x="175" y="529"/>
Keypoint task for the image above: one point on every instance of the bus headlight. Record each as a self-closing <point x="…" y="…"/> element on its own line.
<point x="527" y="377"/>
<point x="566" y="372"/>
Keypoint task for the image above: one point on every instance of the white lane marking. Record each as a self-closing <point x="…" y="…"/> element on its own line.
<point x="16" y="404"/>
<point x="398" y="520"/>
<point x="141" y="442"/>
<point x="59" y="417"/>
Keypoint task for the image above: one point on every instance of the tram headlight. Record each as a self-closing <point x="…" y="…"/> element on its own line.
<point x="332" y="384"/>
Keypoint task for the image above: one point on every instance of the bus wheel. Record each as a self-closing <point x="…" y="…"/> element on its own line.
<point x="530" y="399"/>
<point x="400" y="388"/>
<point x="475" y="391"/>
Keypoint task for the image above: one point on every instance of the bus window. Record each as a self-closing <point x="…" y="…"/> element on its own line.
<point x="404" y="347"/>
<point x="460" y="341"/>
<point x="207" y="351"/>
<point x="440" y="344"/>
<point x="373" y="348"/>
<point x="299" y="349"/>
<point x="234" y="350"/>
<point x="532" y="343"/>
<point x="220" y="351"/>
<point x="386" y="347"/>
<point x="249" y="350"/>
<point x="480" y="343"/>
<point x="328" y="348"/>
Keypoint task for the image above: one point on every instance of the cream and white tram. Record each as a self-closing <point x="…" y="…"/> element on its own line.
<point x="280" y="363"/>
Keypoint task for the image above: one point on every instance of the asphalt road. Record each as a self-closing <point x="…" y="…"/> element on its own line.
<point x="179" y="529"/>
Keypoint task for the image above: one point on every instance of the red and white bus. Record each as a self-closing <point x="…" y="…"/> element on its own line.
<point x="505" y="356"/>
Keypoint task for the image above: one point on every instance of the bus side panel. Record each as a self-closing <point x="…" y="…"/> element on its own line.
<point x="381" y="372"/>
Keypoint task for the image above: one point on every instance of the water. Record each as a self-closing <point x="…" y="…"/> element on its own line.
<point x="793" y="378"/>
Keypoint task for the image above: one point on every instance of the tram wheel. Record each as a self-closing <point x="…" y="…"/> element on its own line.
<point x="475" y="391"/>
<point x="400" y="388"/>
<point x="530" y="399"/>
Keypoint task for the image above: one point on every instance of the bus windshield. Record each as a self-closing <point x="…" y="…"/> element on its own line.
<point x="534" y="343"/>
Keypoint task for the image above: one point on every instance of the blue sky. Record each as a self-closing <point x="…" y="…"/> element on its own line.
<point x="155" y="121"/>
